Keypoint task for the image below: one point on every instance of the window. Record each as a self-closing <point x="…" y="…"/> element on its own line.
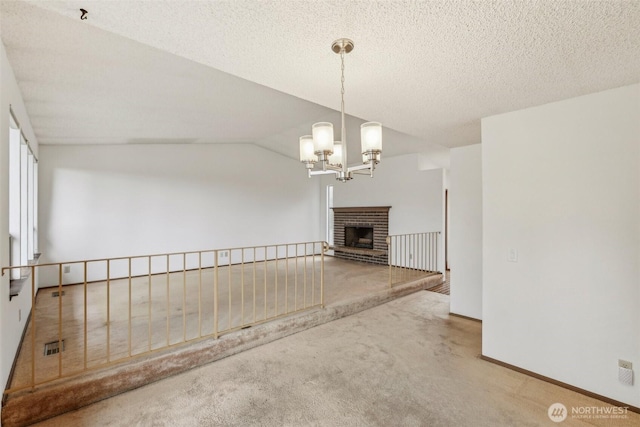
<point x="23" y="199"/>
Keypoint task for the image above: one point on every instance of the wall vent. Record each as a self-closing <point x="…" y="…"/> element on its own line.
<point x="56" y="294"/>
<point x="53" y="347"/>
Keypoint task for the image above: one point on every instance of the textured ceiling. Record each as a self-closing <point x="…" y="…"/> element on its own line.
<point x="263" y="71"/>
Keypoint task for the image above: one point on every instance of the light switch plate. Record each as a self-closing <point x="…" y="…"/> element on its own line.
<point x="513" y="255"/>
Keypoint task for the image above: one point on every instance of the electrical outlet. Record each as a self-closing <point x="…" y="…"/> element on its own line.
<point x="624" y="364"/>
<point x="67" y="269"/>
<point x="513" y="255"/>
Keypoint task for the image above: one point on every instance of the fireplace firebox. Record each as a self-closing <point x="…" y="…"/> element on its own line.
<point x="358" y="237"/>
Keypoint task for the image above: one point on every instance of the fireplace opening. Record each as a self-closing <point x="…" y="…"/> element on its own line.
<point x="358" y="237"/>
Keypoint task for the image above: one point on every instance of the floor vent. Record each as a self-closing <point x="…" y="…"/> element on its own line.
<point x="56" y="294"/>
<point x="53" y="347"/>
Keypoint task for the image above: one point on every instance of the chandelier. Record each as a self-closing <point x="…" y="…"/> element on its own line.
<point x="332" y="155"/>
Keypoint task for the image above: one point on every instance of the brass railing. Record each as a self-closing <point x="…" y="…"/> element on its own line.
<point x="412" y="256"/>
<point x="118" y="308"/>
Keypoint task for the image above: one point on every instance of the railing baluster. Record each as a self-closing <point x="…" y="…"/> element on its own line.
<point x="33" y="326"/>
<point x="84" y="287"/>
<point x="422" y="252"/>
<point x="426" y="252"/>
<point x="265" y="283"/>
<point x="313" y="272"/>
<point x="242" y="289"/>
<point x="199" y="294"/>
<point x="398" y="271"/>
<point x="276" y="285"/>
<point x="403" y="255"/>
<point x="149" y="303"/>
<point x="216" y="297"/>
<point x="60" y="320"/>
<point x="229" y="326"/>
<point x="286" y="281"/>
<point x="430" y="252"/>
<point x="435" y="251"/>
<point x="395" y="252"/>
<point x="390" y="258"/>
<point x="168" y="261"/>
<point x="322" y="275"/>
<point x="416" y="254"/>
<point x="428" y="257"/>
<point x="129" y="338"/>
<point x="392" y="251"/>
<point x="108" y="312"/>
<point x="408" y="258"/>
<point x="184" y="297"/>
<point x="254" y="284"/>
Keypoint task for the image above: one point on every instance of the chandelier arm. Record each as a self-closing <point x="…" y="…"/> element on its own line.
<point x="330" y="167"/>
<point x="357" y="168"/>
<point x="320" y="172"/>
<point x="369" y="173"/>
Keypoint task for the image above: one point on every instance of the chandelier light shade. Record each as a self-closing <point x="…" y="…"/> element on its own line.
<point x="307" y="152"/>
<point x="336" y="158"/>
<point x="371" y="142"/>
<point x="371" y="136"/>
<point x="322" y="137"/>
<point x="332" y="156"/>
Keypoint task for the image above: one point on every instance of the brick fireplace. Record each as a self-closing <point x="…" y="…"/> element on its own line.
<point x="360" y="233"/>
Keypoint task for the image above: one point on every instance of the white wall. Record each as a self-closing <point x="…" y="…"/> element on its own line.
<point x="465" y="249"/>
<point x="561" y="185"/>
<point x="10" y="327"/>
<point x="122" y="200"/>
<point x="416" y="196"/>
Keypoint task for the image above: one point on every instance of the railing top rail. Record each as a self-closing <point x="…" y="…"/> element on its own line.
<point x="411" y="234"/>
<point x="51" y="264"/>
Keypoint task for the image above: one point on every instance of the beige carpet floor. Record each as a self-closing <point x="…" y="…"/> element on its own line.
<point x="404" y="363"/>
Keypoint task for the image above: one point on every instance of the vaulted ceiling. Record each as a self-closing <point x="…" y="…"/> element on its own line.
<point x="262" y="72"/>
